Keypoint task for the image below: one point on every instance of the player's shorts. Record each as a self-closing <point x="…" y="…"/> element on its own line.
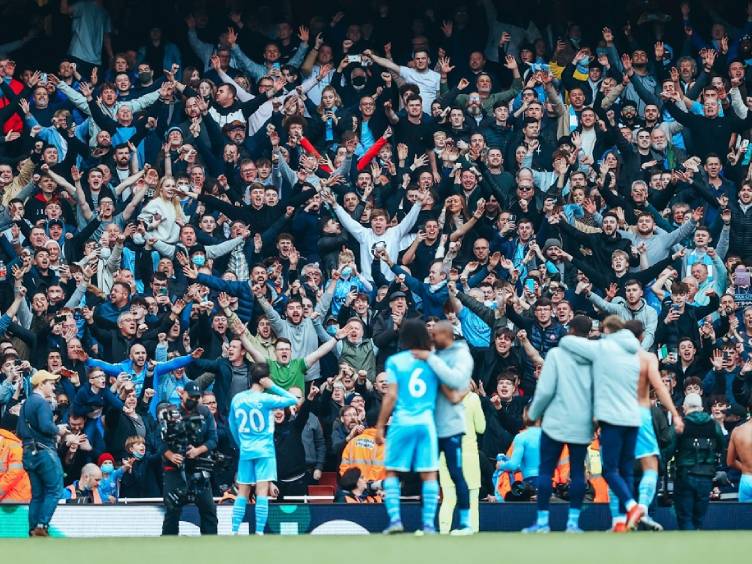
<point x="257" y="470"/>
<point x="412" y="448"/>
<point x="647" y="444"/>
<point x="745" y="488"/>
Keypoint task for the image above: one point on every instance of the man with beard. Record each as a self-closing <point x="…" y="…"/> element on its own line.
<point x="483" y="100"/>
<point x="711" y="132"/>
<point x="602" y="244"/>
<point x="109" y="103"/>
<point x="298" y="329"/>
<point x="178" y="465"/>
<point x="659" y="244"/>
<point x="370" y="123"/>
<point x="428" y="80"/>
<point x="632" y="306"/>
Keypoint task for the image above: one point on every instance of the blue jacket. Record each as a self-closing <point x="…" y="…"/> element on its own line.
<point x="433" y="299"/>
<point x="241" y="290"/>
<point x="87" y="401"/>
<point x="160" y="369"/>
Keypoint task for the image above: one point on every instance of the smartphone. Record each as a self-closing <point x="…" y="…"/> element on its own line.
<point x="77" y="314"/>
<point x="744" y="145"/>
<point x="675" y="307"/>
<point x="59" y="318"/>
<point x="354" y="59"/>
<point x="163" y="291"/>
<point x="43" y="77"/>
<point x="512" y="218"/>
<point x="353" y="288"/>
<point x="662" y="352"/>
<point x="530" y="285"/>
<point x="276" y="66"/>
<point x="17" y="362"/>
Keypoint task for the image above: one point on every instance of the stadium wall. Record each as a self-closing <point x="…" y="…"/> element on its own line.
<point x="293" y="519"/>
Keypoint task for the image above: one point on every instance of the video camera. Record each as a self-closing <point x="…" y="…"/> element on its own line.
<point x="179" y="431"/>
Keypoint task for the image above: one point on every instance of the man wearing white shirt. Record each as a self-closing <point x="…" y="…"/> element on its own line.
<point x="428" y="81"/>
<point x="394" y="239"/>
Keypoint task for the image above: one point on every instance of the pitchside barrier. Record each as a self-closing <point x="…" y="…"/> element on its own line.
<point x="145" y="520"/>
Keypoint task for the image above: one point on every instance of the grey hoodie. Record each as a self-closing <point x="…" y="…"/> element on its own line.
<point x="453" y="365"/>
<point x="564" y="397"/>
<point x="646" y="314"/>
<point x="616" y="372"/>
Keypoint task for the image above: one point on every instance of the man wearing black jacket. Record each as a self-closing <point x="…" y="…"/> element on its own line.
<point x="178" y="467"/>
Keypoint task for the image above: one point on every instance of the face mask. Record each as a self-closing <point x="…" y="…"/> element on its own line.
<point x="191" y="404"/>
<point x="331" y="329"/>
<point x="358" y="81"/>
<point x="137" y="455"/>
<point x="107" y="468"/>
<point x="198" y="260"/>
<point x="346" y="272"/>
<point x="144" y="77"/>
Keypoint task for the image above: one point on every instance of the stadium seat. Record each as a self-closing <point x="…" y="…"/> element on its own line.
<point x="321" y="491"/>
<point x="328" y="479"/>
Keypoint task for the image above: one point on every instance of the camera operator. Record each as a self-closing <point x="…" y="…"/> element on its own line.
<point x="188" y="438"/>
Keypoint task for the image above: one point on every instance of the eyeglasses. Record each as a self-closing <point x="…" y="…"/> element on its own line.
<point x="525" y="188"/>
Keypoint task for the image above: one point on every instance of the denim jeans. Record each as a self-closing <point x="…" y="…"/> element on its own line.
<point x="46" y="477"/>
<point x="691" y="498"/>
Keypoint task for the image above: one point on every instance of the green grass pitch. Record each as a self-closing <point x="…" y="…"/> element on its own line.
<point x="635" y="548"/>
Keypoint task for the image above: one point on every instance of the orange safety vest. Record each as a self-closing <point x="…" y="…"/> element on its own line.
<point x="94" y="492"/>
<point x="15" y="486"/>
<point x="363" y="452"/>
<point x="594" y="469"/>
<point x="350" y="498"/>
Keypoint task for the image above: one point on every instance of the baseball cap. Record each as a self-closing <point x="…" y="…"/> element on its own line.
<point x="692" y="401"/>
<point x="396" y="295"/>
<point x="235" y="124"/>
<point x="192" y="389"/>
<point x="350" y="397"/>
<point x="42" y="376"/>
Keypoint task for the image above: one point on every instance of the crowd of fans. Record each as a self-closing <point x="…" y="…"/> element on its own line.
<point x="195" y="188"/>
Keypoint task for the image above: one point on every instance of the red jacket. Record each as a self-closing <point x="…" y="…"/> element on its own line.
<point x="14" y="123"/>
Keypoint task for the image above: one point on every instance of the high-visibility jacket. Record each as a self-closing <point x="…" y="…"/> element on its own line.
<point x="594" y="472"/>
<point x="363" y="452"/>
<point x="73" y="493"/>
<point x="352" y="498"/>
<point x="14" y="481"/>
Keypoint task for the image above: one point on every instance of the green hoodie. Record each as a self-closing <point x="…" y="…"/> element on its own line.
<point x="699" y="446"/>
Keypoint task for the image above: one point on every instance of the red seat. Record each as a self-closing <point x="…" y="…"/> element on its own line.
<point x="328" y="479"/>
<point x="321" y="491"/>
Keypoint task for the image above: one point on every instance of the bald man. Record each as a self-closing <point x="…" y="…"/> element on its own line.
<point x="452" y="362"/>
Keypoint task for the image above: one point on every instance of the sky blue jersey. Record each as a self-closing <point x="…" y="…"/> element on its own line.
<point x="417" y="386"/>
<point x="252" y="420"/>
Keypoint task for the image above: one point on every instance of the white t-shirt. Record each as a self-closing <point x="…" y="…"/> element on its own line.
<point x="428" y="83"/>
